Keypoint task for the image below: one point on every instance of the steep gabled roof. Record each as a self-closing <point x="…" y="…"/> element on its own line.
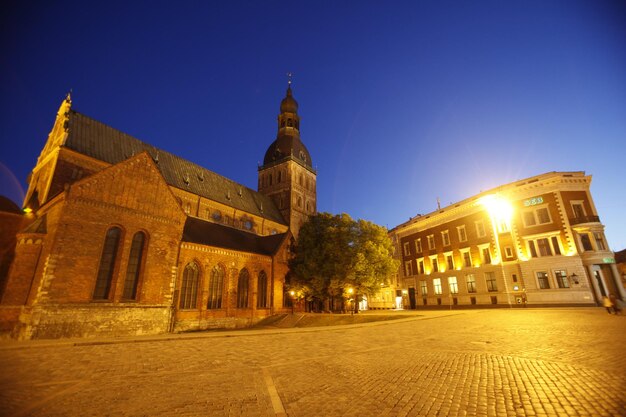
<point x="97" y="140"/>
<point x="213" y="234"/>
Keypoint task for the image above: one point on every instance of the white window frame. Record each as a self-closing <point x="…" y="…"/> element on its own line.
<point x="431" y="242"/>
<point x="558" y="283"/>
<point x="481" y="248"/>
<point x="445" y="238"/>
<point x="451" y="255"/>
<point x="420" y="266"/>
<point x="405" y="247"/>
<point x="463" y="252"/>
<point x="432" y="268"/>
<point x="437" y="288"/>
<point x="467" y="281"/>
<point x="480" y="232"/>
<point x="534" y="210"/>
<point x="495" y="279"/>
<point x="598" y="237"/>
<point x="424" y="285"/>
<point x="508" y="252"/>
<point x="408" y="268"/>
<point x="580" y="203"/>
<point x="548" y="279"/>
<point x="533" y="240"/>
<point x="418" y="245"/>
<point x="463" y="236"/>
<point x="453" y="285"/>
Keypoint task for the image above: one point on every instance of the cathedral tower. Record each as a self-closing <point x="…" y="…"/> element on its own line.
<point x="287" y="173"/>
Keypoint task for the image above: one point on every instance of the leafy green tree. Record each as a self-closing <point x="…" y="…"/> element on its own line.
<point x="335" y="252"/>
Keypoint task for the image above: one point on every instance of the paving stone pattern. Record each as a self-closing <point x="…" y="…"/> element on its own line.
<point x="535" y="362"/>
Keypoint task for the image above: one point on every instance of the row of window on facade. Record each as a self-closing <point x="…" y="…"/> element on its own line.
<point x="191" y="283"/>
<point x="267" y="180"/>
<point x="544" y="280"/>
<point x="243" y="222"/>
<point x="445" y="238"/>
<point x="550" y="245"/>
<point x="109" y="259"/>
<point x="531" y="217"/>
<point x="538" y="247"/>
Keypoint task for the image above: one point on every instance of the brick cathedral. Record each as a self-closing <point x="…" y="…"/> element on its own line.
<point x="120" y="238"/>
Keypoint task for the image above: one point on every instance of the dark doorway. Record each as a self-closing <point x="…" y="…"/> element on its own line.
<point x="412" y="298"/>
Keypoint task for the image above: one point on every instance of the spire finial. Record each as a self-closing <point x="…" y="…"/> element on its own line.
<point x="68" y="98"/>
<point x="289" y="75"/>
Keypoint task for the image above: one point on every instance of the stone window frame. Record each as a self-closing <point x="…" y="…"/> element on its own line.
<point x="453" y="285"/>
<point x="543" y="281"/>
<point x="491" y="281"/>
<point x="216" y="288"/>
<point x="437" y="286"/>
<point x="470" y="288"/>
<point x="467" y="251"/>
<point x="408" y="269"/>
<point x="189" y="286"/>
<point x="243" y="289"/>
<point x="262" y="291"/>
<point x="463" y="235"/>
<point x="449" y="256"/>
<point x="424" y="287"/>
<point x="480" y="228"/>
<point x="431" y="242"/>
<point x="418" y="245"/>
<point x="135" y="266"/>
<point x="445" y="238"/>
<point x="420" y="266"/>
<point x="108" y="264"/>
<point x="561" y="278"/>
<point x="532" y="213"/>
<point x="554" y="245"/>
<point x="434" y="263"/>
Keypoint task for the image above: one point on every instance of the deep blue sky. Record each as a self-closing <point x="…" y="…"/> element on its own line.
<point x="401" y="102"/>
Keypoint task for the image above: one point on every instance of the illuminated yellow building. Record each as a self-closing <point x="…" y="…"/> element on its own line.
<point x="538" y="241"/>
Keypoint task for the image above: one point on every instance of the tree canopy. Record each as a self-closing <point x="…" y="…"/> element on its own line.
<point x="335" y="252"/>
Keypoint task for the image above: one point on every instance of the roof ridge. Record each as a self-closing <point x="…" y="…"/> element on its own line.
<point x="176" y="170"/>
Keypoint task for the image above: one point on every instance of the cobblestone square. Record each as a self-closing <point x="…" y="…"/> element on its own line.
<point x="504" y="362"/>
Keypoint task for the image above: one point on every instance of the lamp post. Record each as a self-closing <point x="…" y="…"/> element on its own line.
<point x="292" y="293"/>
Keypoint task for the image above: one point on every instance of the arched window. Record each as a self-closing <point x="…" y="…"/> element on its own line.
<point x="299" y="201"/>
<point x="270" y="179"/>
<point x="300" y="180"/>
<point x="189" y="287"/>
<point x="134" y="266"/>
<point x="261" y="301"/>
<point x="280" y="176"/>
<point x="216" y="288"/>
<point x="107" y="264"/>
<point x="242" y="288"/>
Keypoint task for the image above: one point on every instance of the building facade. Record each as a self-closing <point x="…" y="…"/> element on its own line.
<point x="537" y="241"/>
<point x="117" y="237"/>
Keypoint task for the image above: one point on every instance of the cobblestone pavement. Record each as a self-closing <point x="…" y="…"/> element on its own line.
<point x="543" y="362"/>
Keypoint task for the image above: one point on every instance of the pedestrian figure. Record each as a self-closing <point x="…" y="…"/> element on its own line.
<point x="615" y="302"/>
<point x="606" y="301"/>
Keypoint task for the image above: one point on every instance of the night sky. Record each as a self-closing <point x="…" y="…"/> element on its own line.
<point x="401" y="103"/>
